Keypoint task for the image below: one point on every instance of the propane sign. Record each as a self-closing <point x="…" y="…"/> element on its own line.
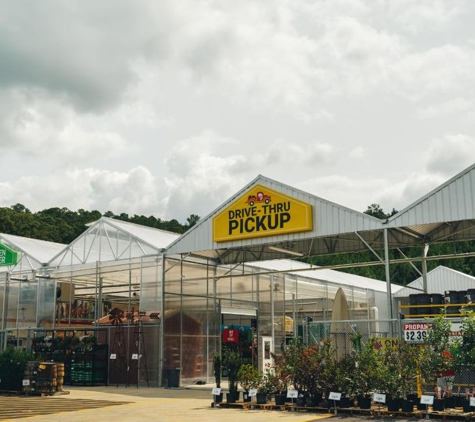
<point x="262" y="212"/>
<point x="415" y="332"/>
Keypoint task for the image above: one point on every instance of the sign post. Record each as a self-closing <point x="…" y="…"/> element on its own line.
<point x="335" y="397"/>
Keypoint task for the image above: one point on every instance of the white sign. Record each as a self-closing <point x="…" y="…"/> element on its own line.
<point x="292" y="394"/>
<point x="135" y="356"/>
<point x="113" y="356"/>
<point x="334" y="396"/>
<point x="472" y="401"/>
<point x="253" y="392"/>
<point x="216" y="391"/>
<point x="26" y="382"/>
<point x="379" y="398"/>
<point x="415" y="332"/>
<point x="427" y="399"/>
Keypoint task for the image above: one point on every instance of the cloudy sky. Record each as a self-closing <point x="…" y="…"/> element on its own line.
<point x="168" y="108"/>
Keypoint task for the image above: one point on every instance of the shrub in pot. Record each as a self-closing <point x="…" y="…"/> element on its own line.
<point x="248" y="378"/>
<point x="397" y="373"/>
<point x="232" y="361"/>
<point x="217" y="362"/>
<point x="437" y="361"/>
<point x="264" y="388"/>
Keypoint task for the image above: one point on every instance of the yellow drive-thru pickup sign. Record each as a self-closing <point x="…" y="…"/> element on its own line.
<point x="262" y="212"/>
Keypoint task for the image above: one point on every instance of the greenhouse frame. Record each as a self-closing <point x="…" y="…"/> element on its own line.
<point x="233" y="277"/>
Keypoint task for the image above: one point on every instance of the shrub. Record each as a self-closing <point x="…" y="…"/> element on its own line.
<point x="12" y="368"/>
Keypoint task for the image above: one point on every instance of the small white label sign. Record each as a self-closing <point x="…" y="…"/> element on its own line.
<point x="379" y="398"/>
<point x="334" y="396"/>
<point x="472" y="401"/>
<point x="113" y="356"/>
<point x="427" y="399"/>
<point x="135" y="356"/>
<point x="292" y="394"/>
<point x="26" y="383"/>
<point x="216" y="391"/>
<point x="253" y="392"/>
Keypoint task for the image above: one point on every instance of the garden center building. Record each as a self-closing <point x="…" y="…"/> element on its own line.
<point x="233" y="277"/>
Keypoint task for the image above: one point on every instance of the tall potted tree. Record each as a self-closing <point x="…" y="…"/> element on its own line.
<point x="438" y="363"/>
<point x="466" y="354"/>
<point x="232" y="361"/>
<point x="217" y="375"/>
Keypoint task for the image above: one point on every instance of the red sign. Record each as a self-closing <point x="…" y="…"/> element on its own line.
<point x="230" y="336"/>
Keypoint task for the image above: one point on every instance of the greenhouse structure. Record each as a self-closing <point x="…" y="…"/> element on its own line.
<point x="163" y="304"/>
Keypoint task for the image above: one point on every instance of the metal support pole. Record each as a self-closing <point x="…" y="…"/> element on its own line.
<point x="388" y="275"/>
<point x="272" y="309"/>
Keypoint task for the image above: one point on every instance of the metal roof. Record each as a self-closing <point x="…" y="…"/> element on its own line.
<point x="336" y="229"/>
<point x="445" y="214"/>
<point x="439" y="280"/>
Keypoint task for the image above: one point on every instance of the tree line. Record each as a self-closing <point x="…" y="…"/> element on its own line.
<point x="62" y="225"/>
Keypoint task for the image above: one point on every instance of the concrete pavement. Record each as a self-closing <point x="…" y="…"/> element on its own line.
<point x="150" y="405"/>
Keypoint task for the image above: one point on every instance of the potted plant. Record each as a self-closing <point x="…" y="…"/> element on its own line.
<point x="264" y="387"/>
<point x="312" y="371"/>
<point x="345" y="380"/>
<point x="232" y="361"/>
<point x="280" y="377"/>
<point x="367" y="361"/>
<point x="437" y="363"/>
<point x="398" y="373"/>
<point x="217" y="375"/>
<point x="248" y="377"/>
<point x="465" y="359"/>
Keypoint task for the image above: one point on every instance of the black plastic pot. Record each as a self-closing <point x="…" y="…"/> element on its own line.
<point x="466" y="406"/>
<point x="449" y="402"/>
<point x="261" y="398"/>
<point x="439" y="405"/>
<point x="344" y="403"/>
<point x="313" y="401"/>
<point x="280" y="399"/>
<point x="407" y="405"/>
<point x="393" y="404"/>
<point x="364" y="402"/>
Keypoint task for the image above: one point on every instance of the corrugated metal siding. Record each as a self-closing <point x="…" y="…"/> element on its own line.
<point x="439" y="280"/>
<point x="329" y="219"/>
<point x="452" y="201"/>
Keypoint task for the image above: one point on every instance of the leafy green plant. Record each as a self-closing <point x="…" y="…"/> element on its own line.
<point x="232" y="361"/>
<point x="12" y="368"/>
<point x="438" y="356"/>
<point x="217" y="369"/>
<point x="398" y="370"/>
<point x="368" y="362"/>
<point x="248" y="377"/>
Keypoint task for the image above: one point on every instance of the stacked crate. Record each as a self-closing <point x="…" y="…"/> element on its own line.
<point x="30" y="377"/>
<point x="43" y="378"/>
<point x="47" y="378"/>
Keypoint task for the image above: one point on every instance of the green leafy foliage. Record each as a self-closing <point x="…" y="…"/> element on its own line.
<point x="232" y="361"/>
<point x="12" y="368"/>
<point x="438" y="355"/>
<point x="62" y="225"/>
